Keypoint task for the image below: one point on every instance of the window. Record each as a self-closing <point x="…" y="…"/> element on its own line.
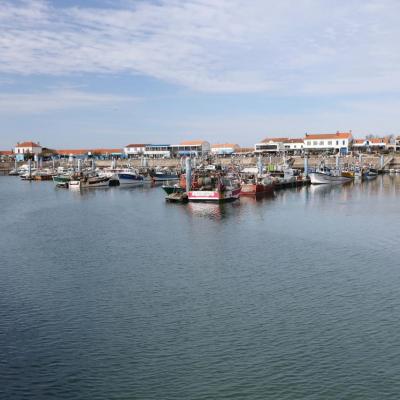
<point x="329" y="142"/>
<point x="337" y="142"/>
<point x="344" y="142"/>
<point x="321" y="143"/>
<point x="308" y="143"/>
<point x="315" y="143"/>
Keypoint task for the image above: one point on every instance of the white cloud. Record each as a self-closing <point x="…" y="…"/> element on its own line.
<point x="61" y="99"/>
<point x="307" y="46"/>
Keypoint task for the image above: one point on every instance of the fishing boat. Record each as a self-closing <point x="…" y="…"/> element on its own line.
<point x="163" y="176"/>
<point x="90" y="182"/>
<point x="61" y="179"/>
<point x="216" y="189"/>
<point x="256" y="186"/>
<point x="14" y="172"/>
<point x="176" y="188"/>
<point x="327" y="176"/>
<point x="129" y="177"/>
<point x="370" y="174"/>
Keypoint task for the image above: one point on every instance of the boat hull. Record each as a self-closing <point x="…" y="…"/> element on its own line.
<point x="61" y="179"/>
<point x="99" y="182"/>
<point x="172" y="189"/>
<point x="165" y="177"/>
<point x="214" y="196"/>
<point x="130" y="179"/>
<point x="252" y="189"/>
<point x="318" y="178"/>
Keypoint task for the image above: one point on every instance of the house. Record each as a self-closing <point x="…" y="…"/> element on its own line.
<point x="6" y="153"/>
<point x="329" y="142"/>
<point x="374" y="144"/>
<point x="272" y="145"/>
<point x="191" y="148"/>
<point x="225" y="148"/>
<point x="294" y="146"/>
<point x="132" y="150"/>
<point x="157" y="150"/>
<point x="25" y="148"/>
<point x="397" y="143"/>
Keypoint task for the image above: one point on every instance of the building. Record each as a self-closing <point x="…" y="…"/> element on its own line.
<point x="294" y="146"/>
<point x="245" y="151"/>
<point x="27" y="148"/>
<point x="6" y="154"/>
<point x="329" y="142"/>
<point x="134" y="150"/>
<point x="272" y="145"/>
<point x="373" y="145"/>
<point x="191" y="148"/>
<point x="157" y="150"/>
<point x="224" y="149"/>
<point x="397" y="143"/>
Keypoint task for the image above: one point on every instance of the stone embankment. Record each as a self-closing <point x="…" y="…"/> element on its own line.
<point x="390" y="161"/>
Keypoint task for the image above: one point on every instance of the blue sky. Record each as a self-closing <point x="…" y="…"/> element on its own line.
<point x="106" y="73"/>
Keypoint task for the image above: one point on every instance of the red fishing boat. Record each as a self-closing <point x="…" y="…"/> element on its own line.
<point x="256" y="186"/>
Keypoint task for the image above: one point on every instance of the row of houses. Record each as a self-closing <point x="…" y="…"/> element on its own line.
<point x="339" y="142"/>
<point x="185" y="148"/>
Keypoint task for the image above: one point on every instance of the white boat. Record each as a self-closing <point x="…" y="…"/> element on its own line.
<point x="129" y="177"/>
<point x="164" y="175"/>
<point x="327" y="176"/>
<point x="90" y="182"/>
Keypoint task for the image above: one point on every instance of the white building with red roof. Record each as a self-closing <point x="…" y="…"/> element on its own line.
<point x="333" y="142"/>
<point x="134" y="149"/>
<point x="28" y="148"/>
<point x="271" y="145"/>
<point x="224" y="148"/>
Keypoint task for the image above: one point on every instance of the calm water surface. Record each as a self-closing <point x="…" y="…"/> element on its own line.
<point x="114" y="294"/>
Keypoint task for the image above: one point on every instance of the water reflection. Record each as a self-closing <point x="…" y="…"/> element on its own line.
<point x="212" y="211"/>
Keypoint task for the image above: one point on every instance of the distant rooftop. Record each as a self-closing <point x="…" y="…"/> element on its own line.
<point x="192" y="142"/>
<point x="337" y="135"/>
<point x="28" y="144"/>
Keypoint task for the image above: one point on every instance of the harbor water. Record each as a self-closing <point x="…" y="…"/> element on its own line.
<point x="116" y="294"/>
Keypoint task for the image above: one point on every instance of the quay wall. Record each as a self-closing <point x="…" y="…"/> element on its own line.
<point x="391" y="161"/>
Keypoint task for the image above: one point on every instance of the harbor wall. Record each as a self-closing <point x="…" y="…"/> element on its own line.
<point x="374" y="161"/>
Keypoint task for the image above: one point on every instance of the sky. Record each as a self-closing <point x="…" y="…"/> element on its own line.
<point x="105" y="73"/>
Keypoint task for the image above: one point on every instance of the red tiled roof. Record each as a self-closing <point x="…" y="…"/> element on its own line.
<point x="337" y="135"/>
<point x="6" y="153"/>
<point x="378" y="140"/>
<point x="135" y="145"/>
<point x="73" y="152"/>
<point x="192" y="142"/>
<point x="28" y="144"/>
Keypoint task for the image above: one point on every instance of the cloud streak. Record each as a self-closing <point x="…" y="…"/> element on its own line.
<point x="303" y="47"/>
<point x="55" y="100"/>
